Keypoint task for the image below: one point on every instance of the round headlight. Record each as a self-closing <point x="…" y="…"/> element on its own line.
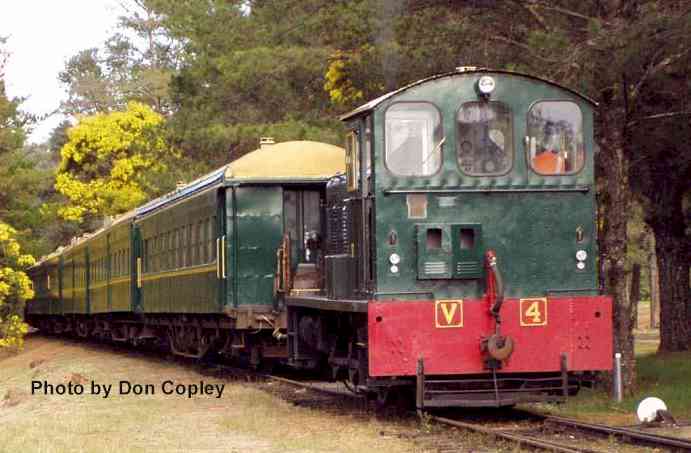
<point x="394" y="269"/>
<point x="581" y="255"/>
<point x="394" y="258"/>
<point x="580" y="265"/>
<point x="486" y="84"/>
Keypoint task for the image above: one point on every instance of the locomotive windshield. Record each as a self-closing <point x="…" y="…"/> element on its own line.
<point x="555" y="131"/>
<point x="413" y="139"/>
<point x="485" y="138"/>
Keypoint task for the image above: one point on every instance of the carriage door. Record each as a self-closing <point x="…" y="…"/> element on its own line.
<point x="257" y="231"/>
<point x="223" y="230"/>
<point x="302" y="222"/>
<point x="136" y="266"/>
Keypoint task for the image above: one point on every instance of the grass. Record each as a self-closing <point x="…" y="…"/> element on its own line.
<point x="291" y="428"/>
<point x="666" y="376"/>
<point x="663" y="376"/>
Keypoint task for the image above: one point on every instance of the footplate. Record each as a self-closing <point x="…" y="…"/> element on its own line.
<point x="492" y="389"/>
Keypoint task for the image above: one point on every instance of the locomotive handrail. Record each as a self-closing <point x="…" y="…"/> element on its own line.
<point x="223" y="261"/>
<point x="394" y="293"/>
<point x="572" y="290"/>
<point x="218" y="258"/>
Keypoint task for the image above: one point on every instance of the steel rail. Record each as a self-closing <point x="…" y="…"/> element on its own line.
<point x="657" y="439"/>
<point x="310" y="386"/>
<point x="508" y="435"/>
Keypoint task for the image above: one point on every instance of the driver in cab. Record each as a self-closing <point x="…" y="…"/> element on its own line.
<point x="550" y="160"/>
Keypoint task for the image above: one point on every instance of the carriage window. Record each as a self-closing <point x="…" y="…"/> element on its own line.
<point x="367" y="160"/>
<point x="485" y="138"/>
<point x="178" y="252"/>
<point x="212" y="242"/>
<point x="164" y="251"/>
<point x="154" y="254"/>
<point x="414" y="139"/>
<point x="188" y="245"/>
<point x="205" y="240"/>
<point x="147" y="254"/>
<point x="198" y="239"/>
<point x="555" y="138"/>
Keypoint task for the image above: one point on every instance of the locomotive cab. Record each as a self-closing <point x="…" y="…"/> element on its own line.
<point x="461" y="244"/>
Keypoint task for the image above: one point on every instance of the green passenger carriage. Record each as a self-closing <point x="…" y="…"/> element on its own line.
<point x="196" y="267"/>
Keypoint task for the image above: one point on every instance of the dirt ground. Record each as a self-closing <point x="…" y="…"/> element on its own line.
<point x="247" y="417"/>
<point x="244" y="418"/>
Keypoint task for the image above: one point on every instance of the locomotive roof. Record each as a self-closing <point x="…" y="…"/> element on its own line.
<point x="296" y="160"/>
<point x="375" y="102"/>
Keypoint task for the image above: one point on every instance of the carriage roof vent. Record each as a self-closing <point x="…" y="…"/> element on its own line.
<point x="265" y="142"/>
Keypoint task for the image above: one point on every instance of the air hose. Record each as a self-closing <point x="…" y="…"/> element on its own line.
<point x="498" y="282"/>
<point x="498" y="347"/>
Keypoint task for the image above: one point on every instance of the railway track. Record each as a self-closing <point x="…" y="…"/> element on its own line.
<point x="532" y="434"/>
<point x="632" y="435"/>
<point x="317" y="387"/>
<point x="526" y="436"/>
<point x="534" y="437"/>
<point x="510" y="435"/>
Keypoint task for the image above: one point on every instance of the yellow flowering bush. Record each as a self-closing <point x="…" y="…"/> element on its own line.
<point x="338" y="83"/>
<point x="109" y="164"/>
<point x="15" y="288"/>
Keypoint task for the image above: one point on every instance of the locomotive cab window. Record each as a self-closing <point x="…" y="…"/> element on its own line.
<point x="414" y="139"/>
<point x="555" y="138"/>
<point x="485" y="138"/>
<point x="352" y="160"/>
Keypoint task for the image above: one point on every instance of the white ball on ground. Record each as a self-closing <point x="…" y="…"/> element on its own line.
<point x="647" y="409"/>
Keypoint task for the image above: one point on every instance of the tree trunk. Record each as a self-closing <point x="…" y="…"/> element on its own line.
<point x="635" y="291"/>
<point x="654" y="292"/>
<point x="672" y="249"/>
<point x="615" y="198"/>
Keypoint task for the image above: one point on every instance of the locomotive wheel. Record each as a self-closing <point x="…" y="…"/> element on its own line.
<point x="394" y="400"/>
<point x="383" y="397"/>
